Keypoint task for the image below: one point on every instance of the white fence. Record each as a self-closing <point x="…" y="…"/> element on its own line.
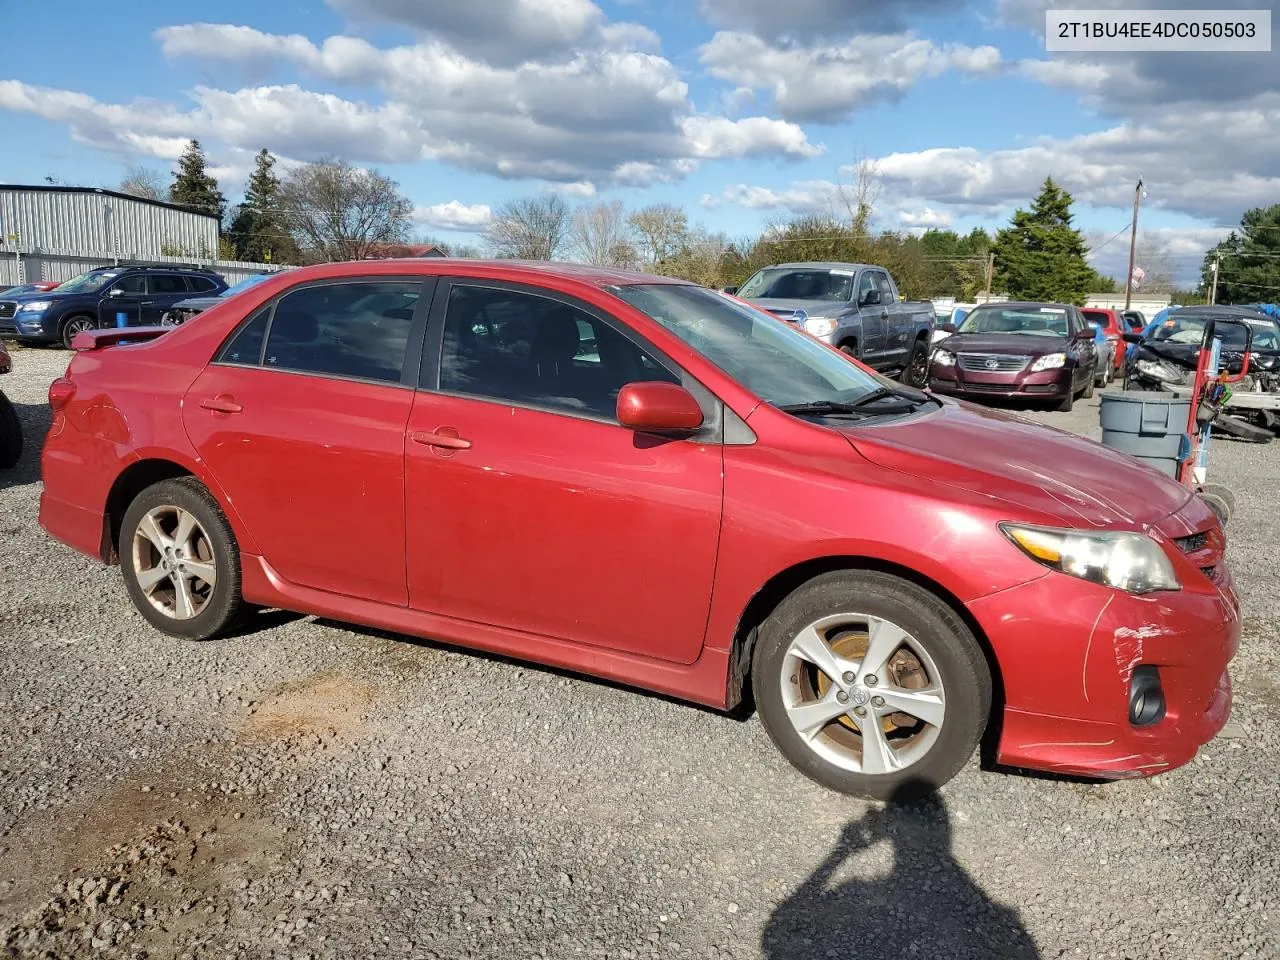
<point x="30" y="267"/>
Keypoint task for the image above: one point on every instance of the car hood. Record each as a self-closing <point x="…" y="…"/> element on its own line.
<point x="1187" y="355"/>
<point x="1016" y="344"/>
<point x="197" y="303"/>
<point x="813" y="308"/>
<point x="1024" y="464"/>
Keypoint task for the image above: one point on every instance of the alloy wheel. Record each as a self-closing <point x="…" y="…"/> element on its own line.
<point x="173" y="562"/>
<point x="863" y="693"/>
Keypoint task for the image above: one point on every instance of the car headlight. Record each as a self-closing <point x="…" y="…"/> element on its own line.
<point x="944" y="358"/>
<point x="1132" y="562"/>
<point x="1050" y="361"/>
<point x="35" y="306"/>
<point x="820" y="326"/>
<point x="1159" y="370"/>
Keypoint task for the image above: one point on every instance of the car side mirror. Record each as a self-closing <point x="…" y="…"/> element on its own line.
<point x="731" y="290"/>
<point x="658" y="408"/>
<point x="948" y="328"/>
<point x="870" y="299"/>
<point x="115" y="292"/>
<point x="1131" y="337"/>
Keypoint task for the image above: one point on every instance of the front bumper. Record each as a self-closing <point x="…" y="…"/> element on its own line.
<point x="1042" y="385"/>
<point x="1068" y="650"/>
<point x="27" y="328"/>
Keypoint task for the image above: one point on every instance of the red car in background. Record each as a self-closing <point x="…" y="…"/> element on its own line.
<point x="640" y="479"/>
<point x="1114" y="328"/>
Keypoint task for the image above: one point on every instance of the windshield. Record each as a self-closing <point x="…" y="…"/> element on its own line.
<point x="86" y="282"/>
<point x="1032" y="321"/>
<point x="1191" y="330"/>
<point x="782" y="283"/>
<point x="244" y="284"/>
<point x="773" y="360"/>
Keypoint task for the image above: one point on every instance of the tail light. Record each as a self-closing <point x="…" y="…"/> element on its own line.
<point x="60" y="393"/>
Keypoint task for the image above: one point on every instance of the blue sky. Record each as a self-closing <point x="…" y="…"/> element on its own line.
<point x="741" y="111"/>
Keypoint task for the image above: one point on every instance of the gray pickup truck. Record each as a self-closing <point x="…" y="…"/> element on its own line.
<point x="852" y="306"/>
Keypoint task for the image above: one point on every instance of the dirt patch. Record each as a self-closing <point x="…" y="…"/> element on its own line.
<point x="327" y="704"/>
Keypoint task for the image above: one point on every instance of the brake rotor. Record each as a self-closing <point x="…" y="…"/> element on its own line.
<point x="905" y="670"/>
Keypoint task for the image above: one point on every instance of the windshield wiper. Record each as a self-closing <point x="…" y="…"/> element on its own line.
<point x="823" y="408"/>
<point x="883" y="393"/>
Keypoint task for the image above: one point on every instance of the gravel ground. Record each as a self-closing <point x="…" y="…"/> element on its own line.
<point x="310" y="790"/>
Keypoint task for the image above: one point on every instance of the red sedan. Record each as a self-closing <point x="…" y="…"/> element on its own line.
<point x="640" y="479"/>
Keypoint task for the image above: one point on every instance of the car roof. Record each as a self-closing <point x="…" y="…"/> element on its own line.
<point x="824" y="265"/>
<point x="515" y="270"/>
<point x="1027" y="304"/>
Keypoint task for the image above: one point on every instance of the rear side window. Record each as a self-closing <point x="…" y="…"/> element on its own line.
<point x="245" y="347"/>
<point x="163" y="283"/>
<point x="358" y="329"/>
<point x="201" y="284"/>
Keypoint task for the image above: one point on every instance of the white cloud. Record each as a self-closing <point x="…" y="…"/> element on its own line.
<point x="717" y="137"/>
<point x="821" y="18"/>
<point x="454" y="215"/>
<point x="708" y="202"/>
<point x="808" y="196"/>
<point x="925" y="218"/>
<point x="828" y="81"/>
<point x="580" y="188"/>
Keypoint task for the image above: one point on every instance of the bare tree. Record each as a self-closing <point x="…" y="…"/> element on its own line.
<point x="600" y="235"/>
<point x="859" y="190"/>
<point x="662" y="230"/>
<point x="339" y="212"/>
<point x="1157" y="265"/>
<point x="139" y="181"/>
<point x="700" y="259"/>
<point x="533" y="228"/>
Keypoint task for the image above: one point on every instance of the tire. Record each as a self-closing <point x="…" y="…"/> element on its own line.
<point x="1087" y="393"/>
<point x="1242" y="429"/>
<point x="10" y="435"/>
<point x="1216" y="493"/>
<point x="934" y="639"/>
<point x="916" y="372"/>
<point x="1066" y="403"/>
<point x="73" y="325"/>
<point x="850" y="348"/>
<point x="211" y="546"/>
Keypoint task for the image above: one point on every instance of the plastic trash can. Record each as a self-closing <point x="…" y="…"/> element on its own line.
<point x="1149" y="426"/>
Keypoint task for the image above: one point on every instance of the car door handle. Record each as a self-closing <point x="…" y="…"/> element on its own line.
<point x="221" y="405"/>
<point x="442" y="440"/>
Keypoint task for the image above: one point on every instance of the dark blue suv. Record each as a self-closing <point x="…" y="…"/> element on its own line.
<point x="128" y="295"/>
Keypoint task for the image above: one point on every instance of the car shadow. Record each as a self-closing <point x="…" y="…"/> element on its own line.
<point x="926" y="906"/>
<point x="35" y="419"/>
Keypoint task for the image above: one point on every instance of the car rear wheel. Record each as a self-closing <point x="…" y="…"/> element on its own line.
<point x="10" y="435"/>
<point x="73" y="326"/>
<point x="871" y="685"/>
<point x="180" y="560"/>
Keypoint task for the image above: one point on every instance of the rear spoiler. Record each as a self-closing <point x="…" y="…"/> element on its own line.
<point x="97" y="339"/>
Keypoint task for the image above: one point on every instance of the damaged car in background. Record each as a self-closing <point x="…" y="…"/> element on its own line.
<point x="1165" y="357"/>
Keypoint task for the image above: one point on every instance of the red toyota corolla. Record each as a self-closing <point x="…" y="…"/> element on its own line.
<point x="640" y="479"/>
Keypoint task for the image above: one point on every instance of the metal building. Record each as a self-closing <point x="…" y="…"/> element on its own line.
<point x="53" y="232"/>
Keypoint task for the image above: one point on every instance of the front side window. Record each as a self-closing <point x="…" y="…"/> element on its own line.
<point x="770" y="358"/>
<point x="358" y="329"/>
<point x="134" y="285"/>
<point x="866" y="284"/>
<point x="790" y="283"/>
<point x="513" y="346"/>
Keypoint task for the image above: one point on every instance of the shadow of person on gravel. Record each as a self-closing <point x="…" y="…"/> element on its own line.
<point x="927" y="906"/>
<point x="35" y="419"/>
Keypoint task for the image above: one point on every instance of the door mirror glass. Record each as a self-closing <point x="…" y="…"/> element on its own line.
<point x="948" y="327"/>
<point x="658" y="408"/>
<point x="115" y="292"/>
<point x="870" y="298"/>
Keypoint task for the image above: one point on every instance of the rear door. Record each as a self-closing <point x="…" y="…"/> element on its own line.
<point x="164" y="290"/>
<point x="529" y="507"/>
<point x="898" y="324"/>
<point x="301" y="417"/>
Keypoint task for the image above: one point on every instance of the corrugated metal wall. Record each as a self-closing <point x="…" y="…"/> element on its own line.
<point x="101" y="225"/>
<point x="63" y="267"/>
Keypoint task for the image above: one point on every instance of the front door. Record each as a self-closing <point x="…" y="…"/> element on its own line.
<point x="121" y="304"/>
<point x="301" y="418"/>
<point x="872" y="345"/>
<point x="529" y="507"/>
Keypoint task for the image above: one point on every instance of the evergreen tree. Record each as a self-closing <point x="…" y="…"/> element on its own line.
<point x="257" y="230"/>
<point x="1041" y="256"/>
<point x="192" y="186"/>
<point x="1248" y="260"/>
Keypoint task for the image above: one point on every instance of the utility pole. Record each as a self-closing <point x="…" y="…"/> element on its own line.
<point x="1133" y="244"/>
<point x="1213" y="291"/>
<point x="991" y="269"/>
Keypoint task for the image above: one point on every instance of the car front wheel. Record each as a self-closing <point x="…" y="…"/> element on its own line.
<point x="871" y="685"/>
<point x="180" y="560"/>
